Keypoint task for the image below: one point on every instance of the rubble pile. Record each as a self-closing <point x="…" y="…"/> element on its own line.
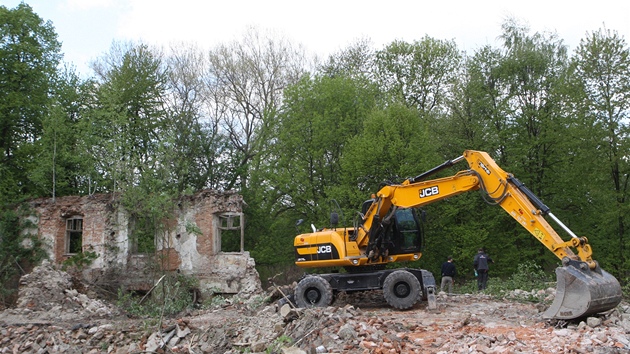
<point x="461" y="324"/>
<point x="46" y="294"/>
<point x="51" y="317"/>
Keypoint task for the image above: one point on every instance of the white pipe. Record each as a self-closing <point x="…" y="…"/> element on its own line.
<point x="562" y="225"/>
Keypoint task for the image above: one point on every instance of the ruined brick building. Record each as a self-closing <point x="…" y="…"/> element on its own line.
<point x="191" y="244"/>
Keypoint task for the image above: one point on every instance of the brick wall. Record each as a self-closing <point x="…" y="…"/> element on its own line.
<point x="189" y="245"/>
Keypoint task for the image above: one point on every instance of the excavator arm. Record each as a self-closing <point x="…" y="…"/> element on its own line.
<point x="500" y="187"/>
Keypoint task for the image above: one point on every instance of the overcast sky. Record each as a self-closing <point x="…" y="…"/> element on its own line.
<point x="87" y="28"/>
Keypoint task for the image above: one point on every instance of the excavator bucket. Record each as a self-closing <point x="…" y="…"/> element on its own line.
<point x="582" y="291"/>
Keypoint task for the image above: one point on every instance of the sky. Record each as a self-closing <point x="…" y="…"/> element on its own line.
<point x="87" y="28"/>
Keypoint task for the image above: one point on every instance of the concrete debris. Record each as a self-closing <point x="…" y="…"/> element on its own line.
<point x="46" y="295"/>
<point x="52" y="317"/>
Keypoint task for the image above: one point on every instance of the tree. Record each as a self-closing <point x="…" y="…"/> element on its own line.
<point x="129" y="129"/>
<point x="392" y="145"/>
<point x="356" y="60"/>
<point x="29" y="55"/>
<point x="602" y="67"/>
<point x="530" y="71"/>
<point x="476" y="119"/>
<point x="508" y="102"/>
<point x="198" y="147"/>
<point x="129" y="120"/>
<point x="60" y="164"/>
<point x="245" y="86"/>
<point x="318" y="117"/>
<point x="522" y="95"/>
<point x="421" y="73"/>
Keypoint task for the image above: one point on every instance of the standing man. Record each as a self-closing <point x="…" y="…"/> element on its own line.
<point x="448" y="273"/>
<point x="481" y="268"/>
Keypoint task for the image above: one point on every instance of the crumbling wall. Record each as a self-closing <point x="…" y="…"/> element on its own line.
<point x="196" y="242"/>
<point x="97" y="213"/>
<point x="230" y="273"/>
<point x="189" y="245"/>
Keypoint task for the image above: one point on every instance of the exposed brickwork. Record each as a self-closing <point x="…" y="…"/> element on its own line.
<point x="168" y="259"/>
<point x="190" y="244"/>
<point x="94" y="210"/>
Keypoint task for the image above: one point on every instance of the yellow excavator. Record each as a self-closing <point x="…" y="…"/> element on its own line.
<point x="389" y="229"/>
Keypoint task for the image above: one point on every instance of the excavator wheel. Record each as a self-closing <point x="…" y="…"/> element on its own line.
<point x="401" y="289"/>
<point x="313" y="291"/>
<point x="582" y="291"/>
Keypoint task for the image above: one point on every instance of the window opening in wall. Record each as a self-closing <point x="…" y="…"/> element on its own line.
<point x="141" y="235"/>
<point x="74" y="235"/>
<point x="230" y="232"/>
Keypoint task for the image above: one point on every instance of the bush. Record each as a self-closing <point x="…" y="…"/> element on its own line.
<point x="19" y="252"/>
<point x="524" y="284"/>
<point x="173" y="295"/>
<point x="277" y="344"/>
<point x="528" y="276"/>
<point x="79" y="261"/>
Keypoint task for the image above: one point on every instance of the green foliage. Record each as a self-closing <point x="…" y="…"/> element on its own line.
<point x="214" y="301"/>
<point x="103" y="346"/>
<point x="527" y="283"/>
<point x="150" y="211"/>
<point x="128" y="123"/>
<point x="152" y="126"/>
<point x="171" y="296"/>
<point x="61" y="164"/>
<point x="601" y="71"/>
<point x="79" y="261"/>
<point x="528" y="276"/>
<point x="356" y="60"/>
<point x="193" y="229"/>
<point x="278" y="343"/>
<point x="419" y="74"/>
<point x="625" y="289"/>
<point x="321" y="114"/>
<point x="393" y="145"/>
<point x="523" y="284"/>
<point x="19" y="250"/>
<point x="29" y="54"/>
<point x="466" y="287"/>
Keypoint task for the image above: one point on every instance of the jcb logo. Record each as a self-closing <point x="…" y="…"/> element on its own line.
<point x="427" y="192"/>
<point x="324" y="249"/>
<point x="483" y="167"/>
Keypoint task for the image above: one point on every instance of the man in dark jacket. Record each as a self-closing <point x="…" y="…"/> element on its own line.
<point x="480" y="263"/>
<point x="448" y="273"/>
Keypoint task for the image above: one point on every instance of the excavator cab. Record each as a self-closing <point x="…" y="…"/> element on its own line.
<point x="406" y="233"/>
<point x="399" y="233"/>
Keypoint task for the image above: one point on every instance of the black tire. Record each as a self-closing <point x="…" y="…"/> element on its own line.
<point x="313" y="291"/>
<point x="401" y="289"/>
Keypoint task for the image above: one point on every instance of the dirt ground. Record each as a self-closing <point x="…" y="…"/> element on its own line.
<point x="53" y="317"/>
